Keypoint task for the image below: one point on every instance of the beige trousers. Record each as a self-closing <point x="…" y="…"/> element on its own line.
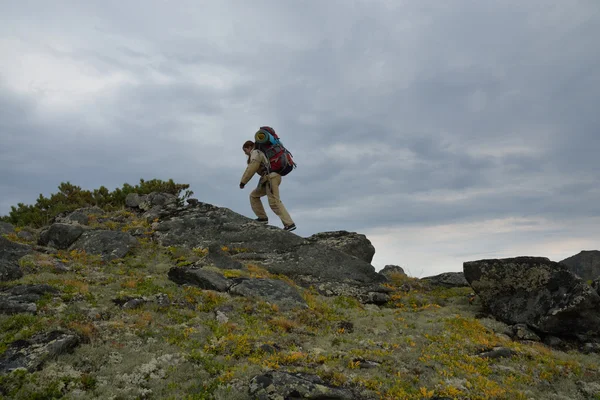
<point x="269" y="186"/>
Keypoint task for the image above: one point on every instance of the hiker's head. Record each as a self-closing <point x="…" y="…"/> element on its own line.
<point x="248" y="146"/>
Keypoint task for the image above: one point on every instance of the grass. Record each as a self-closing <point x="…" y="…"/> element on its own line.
<point x="424" y="343"/>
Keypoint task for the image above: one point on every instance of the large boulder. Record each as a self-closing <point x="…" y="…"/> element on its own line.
<point x="108" y="244"/>
<point x="280" y="252"/>
<point x="390" y="270"/>
<point x="10" y="253"/>
<point x="535" y="291"/>
<point x="351" y="243"/>
<point x="586" y="264"/>
<point x="447" y="279"/>
<point x="60" y="236"/>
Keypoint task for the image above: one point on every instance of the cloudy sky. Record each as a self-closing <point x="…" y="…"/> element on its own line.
<point x="446" y="131"/>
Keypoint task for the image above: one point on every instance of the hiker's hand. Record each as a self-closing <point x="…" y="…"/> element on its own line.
<point x="242" y="185"/>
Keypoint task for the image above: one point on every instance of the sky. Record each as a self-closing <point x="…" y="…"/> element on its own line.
<point x="444" y="131"/>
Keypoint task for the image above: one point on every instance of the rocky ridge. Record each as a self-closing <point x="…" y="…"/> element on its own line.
<point x="111" y="304"/>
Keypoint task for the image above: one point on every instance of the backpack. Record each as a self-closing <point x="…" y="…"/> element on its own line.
<point x="280" y="159"/>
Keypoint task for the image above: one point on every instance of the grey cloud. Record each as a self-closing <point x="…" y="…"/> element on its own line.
<point x="494" y="104"/>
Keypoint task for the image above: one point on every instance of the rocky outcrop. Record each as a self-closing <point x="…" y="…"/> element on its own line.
<point x="108" y="244"/>
<point x="282" y="385"/>
<point x="537" y="292"/>
<point x="586" y="264"/>
<point x="389" y="270"/>
<point x="10" y="253"/>
<point x="278" y="251"/>
<point x="22" y="298"/>
<point x="60" y="236"/>
<point x="31" y="354"/>
<point x="6" y="228"/>
<point x="351" y="243"/>
<point x="596" y="285"/>
<point x="447" y="279"/>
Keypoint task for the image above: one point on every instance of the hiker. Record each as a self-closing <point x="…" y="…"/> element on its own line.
<point x="268" y="185"/>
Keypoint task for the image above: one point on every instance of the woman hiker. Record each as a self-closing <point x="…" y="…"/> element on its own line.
<point x="267" y="185"/>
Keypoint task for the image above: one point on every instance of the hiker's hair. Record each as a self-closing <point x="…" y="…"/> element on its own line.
<point x="248" y="143"/>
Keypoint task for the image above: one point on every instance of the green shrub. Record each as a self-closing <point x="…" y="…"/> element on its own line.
<point x="71" y="197"/>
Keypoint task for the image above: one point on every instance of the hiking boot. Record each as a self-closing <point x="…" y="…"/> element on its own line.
<point x="289" y="228"/>
<point x="262" y="220"/>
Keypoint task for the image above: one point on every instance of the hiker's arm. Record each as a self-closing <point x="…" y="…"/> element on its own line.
<point x="252" y="168"/>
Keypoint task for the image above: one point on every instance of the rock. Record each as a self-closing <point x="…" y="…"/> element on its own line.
<point x="522" y="332"/>
<point x="60" y="236"/>
<point x="10" y="253"/>
<point x="586" y="264"/>
<point x="596" y="285"/>
<point x="591" y="348"/>
<point x="133" y="200"/>
<point x="31" y="354"/>
<point x="347" y="326"/>
<point x="133" y="303"/>
<point x="389" y="270"/>
<point x="270" y="290"/>
<point x="282" y="385"/>
<point x="80" y="216"/>
<point x="108" y="244"/>
<point x="193" y="202"/>
<point x="282" y="252"/>
<point x="6" y="228"/>
<point x="22" y="298"/>
<point x="535" y="291"/>
<point x="351" y="243"/>
<point x="203" y="278"/>
<point x="498" y="352"/>
<point x="220" y="259"/>
<point x="25" y="235"/>
<point x="377" y="298"/>
<point x="447" y="279"/>
<point x="553" y="341"/>
<point x="221" y="317"/>
<point x="591" y="390"/>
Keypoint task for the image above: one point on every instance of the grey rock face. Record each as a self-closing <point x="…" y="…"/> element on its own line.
<point x="271" y="290"/>
<point x="33" y="353"/>
<point x="586" y="264"/>
<point x="389" y="270"/>
<point x="596" y="285"/>
<point x="60" y="236"/>
<point x="108" y="244"/>
<point x="10" y="253"/>
<point x="22" y="298"/>
<point x="351" y="243"/>
<point x="448" y="279"/>
<point x="535" y="291"/>
<point x="220" y="259"/>
<point x="6" y="228"/>
<point x="204" y="279"/>
<point x="280" y="252"/>
<point x="282" y="385"/>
